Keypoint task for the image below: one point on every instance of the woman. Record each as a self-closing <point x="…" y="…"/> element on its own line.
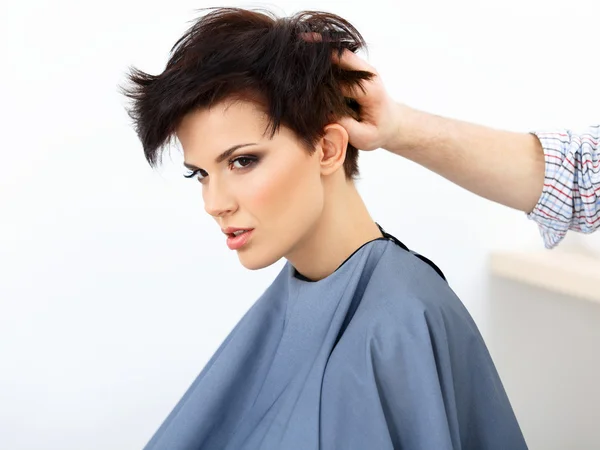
<point x="358" y="343"/>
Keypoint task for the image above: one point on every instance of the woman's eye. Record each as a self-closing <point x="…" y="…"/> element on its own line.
<point x="199" y="173"/>
<point x="243" y="162"/>
<point x="239" y="163"/>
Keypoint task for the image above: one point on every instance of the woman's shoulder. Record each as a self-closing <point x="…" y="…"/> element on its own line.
<point x="406" y="287"/>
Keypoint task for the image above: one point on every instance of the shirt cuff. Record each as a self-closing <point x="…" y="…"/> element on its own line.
<point x="552" y="229"/>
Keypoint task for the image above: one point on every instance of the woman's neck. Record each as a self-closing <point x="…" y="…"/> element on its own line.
<point x="344" y="226"/>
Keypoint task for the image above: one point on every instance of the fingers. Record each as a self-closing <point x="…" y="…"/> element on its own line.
<point x="351" y="61"/>
<point x="353" y="92"/>
<point x="311" y="37"/>
<point x="348" y="60"/>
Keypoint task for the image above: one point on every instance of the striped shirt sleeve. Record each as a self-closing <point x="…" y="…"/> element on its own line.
<point x="570" y="198"/>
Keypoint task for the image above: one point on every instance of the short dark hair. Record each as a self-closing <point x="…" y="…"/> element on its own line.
<point x="252" y="55"/>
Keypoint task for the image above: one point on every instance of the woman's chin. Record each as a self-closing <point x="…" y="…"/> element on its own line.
<point x="255" y="262"/>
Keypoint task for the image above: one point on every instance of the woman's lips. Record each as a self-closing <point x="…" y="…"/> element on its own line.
<point x="237" y="242"/>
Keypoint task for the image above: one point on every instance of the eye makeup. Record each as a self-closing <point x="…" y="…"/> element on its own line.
<point x="245" y="162"/>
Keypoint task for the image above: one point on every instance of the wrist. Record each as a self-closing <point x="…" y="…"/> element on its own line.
<point x="405" y="130"/>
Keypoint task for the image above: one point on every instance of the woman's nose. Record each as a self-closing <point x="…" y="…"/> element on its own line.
<point x="217" y="201"/>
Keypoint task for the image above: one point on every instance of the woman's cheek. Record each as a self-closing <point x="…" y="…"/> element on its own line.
<point x="262" y="192"/>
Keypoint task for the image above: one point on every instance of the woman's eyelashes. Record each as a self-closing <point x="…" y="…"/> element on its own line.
<point x="193" y="173"/>
<point x="249" y="160"/>
<point x="238" y="163"/>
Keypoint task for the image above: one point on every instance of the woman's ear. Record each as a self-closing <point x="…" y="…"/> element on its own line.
<point x="333" y="145"/>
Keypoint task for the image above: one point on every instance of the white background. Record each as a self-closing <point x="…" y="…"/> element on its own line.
<point x="116" y="287"/>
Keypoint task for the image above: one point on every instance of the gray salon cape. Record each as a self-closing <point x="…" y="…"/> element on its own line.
<point x="379" y="355"/>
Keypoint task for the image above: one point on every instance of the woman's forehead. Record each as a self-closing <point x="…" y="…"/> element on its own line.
<point x="222" y="127"/>
<point x="227" y="124"/>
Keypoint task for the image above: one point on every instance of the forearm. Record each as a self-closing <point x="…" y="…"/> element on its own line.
<point x="505" y="167"/>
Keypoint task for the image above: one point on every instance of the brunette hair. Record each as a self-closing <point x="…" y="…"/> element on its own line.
<point x="284" y="65"/>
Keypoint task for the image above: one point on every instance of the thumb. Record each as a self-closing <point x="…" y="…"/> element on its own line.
<point x="351" y="125"/>
<point x="360" y="135"/>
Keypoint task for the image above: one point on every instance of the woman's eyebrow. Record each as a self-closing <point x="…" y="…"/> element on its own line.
<point x="223" y="156"/>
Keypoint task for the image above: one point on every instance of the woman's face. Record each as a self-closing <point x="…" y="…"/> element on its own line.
<point x="272" y="186"/>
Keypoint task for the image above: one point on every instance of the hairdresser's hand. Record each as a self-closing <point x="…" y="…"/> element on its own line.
<point x="380" y="116"/>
